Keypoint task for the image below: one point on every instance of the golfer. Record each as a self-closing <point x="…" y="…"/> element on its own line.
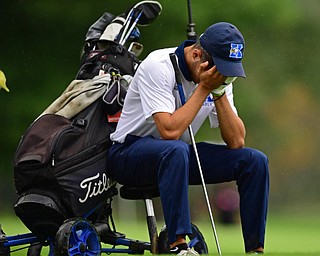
<point x="152" y="143"/>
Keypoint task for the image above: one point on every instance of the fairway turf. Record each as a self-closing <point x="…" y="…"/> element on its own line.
<point x="286" y="235"/>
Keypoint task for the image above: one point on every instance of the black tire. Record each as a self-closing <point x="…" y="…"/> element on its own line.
<point x="77" y="236"/>
<point x="196" y="242"/>
<point x="4" y="251"/>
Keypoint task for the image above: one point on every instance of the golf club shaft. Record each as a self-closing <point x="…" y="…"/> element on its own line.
<point x="130" y="29"/>
<point x="126" y="24"/>
<point x="204" y="189"/>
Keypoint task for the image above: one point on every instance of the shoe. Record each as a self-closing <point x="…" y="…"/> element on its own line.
<point x="257" y="251"/>
<point x="183" y="249"/>
<point x="188" y="252"/>
<point x="178" y="248"/>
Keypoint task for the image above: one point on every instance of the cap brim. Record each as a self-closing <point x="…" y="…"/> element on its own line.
<point x="229" y="68"/>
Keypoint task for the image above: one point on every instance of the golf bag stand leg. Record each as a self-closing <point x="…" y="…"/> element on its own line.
<point x="152" y="225"/>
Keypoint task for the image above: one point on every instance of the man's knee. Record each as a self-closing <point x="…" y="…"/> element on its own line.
<point x="178" y="148"/>
<point x="261" y="159"/>
<point x="257" y="161"/>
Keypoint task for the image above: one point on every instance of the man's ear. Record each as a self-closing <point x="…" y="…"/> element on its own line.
<point x="196" y="54"/>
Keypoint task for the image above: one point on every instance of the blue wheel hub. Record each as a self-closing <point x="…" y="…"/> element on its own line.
<point x="77" y="237"/>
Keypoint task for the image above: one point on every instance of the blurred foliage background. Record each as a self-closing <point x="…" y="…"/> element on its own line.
<point x="40" y="47"/>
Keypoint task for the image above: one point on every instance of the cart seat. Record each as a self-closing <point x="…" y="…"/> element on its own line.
<point x="139" y="192"/>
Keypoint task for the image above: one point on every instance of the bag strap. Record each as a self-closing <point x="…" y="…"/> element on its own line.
<point x="178" y="77"/>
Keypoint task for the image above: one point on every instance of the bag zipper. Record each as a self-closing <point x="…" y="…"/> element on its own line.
<point x="56" y="142"/>
<point x="85" y="154"/>
<point x="88" y="160"/>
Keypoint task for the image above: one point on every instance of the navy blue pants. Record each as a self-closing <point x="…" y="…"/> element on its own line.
<point x="172" y="165"/>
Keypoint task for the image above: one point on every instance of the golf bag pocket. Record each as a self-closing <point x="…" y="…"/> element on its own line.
<point x="41" y="212"/>
<point x="85" y="183"/>
<point x="50" y="139"/>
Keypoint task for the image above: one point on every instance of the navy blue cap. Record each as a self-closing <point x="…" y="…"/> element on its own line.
<point x="225" y="44"/>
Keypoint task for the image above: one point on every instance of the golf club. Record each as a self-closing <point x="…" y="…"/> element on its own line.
<point x="135" y="48"/>
<point x="183" y="101"/>
<point x="192" y="35"/>
<point x="123" y="41"/>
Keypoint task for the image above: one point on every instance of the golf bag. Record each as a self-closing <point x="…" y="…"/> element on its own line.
<point x="60" y="165"/>
<point x="60" y="168"/>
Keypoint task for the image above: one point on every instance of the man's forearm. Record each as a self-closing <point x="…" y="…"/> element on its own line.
<point x="172" y="126"/>
<point x="232" y="128"/>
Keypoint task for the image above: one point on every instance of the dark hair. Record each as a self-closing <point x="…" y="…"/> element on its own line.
<point x="205" y="56"/>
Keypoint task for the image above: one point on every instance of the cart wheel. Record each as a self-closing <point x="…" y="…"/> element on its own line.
<point x="196" y="241"/>
<point x="77" y="237"/>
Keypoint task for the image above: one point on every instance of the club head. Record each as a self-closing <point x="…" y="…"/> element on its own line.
<point x="135" y="34"/>
<point x="136" y="48"/>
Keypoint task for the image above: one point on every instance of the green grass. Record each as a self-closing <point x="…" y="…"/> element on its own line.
<point x="286" y="235"/>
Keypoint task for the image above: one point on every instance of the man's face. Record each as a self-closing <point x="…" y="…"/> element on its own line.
<point x="198" y="57"/>
<point x="195" y="70"/>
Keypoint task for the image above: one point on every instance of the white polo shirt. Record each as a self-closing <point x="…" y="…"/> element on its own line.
<point x="153" y="89"/>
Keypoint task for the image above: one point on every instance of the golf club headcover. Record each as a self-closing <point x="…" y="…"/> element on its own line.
<point x="96" y="29"/>
<point x="150" y="11"/>
<point x="112" y="30"/>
